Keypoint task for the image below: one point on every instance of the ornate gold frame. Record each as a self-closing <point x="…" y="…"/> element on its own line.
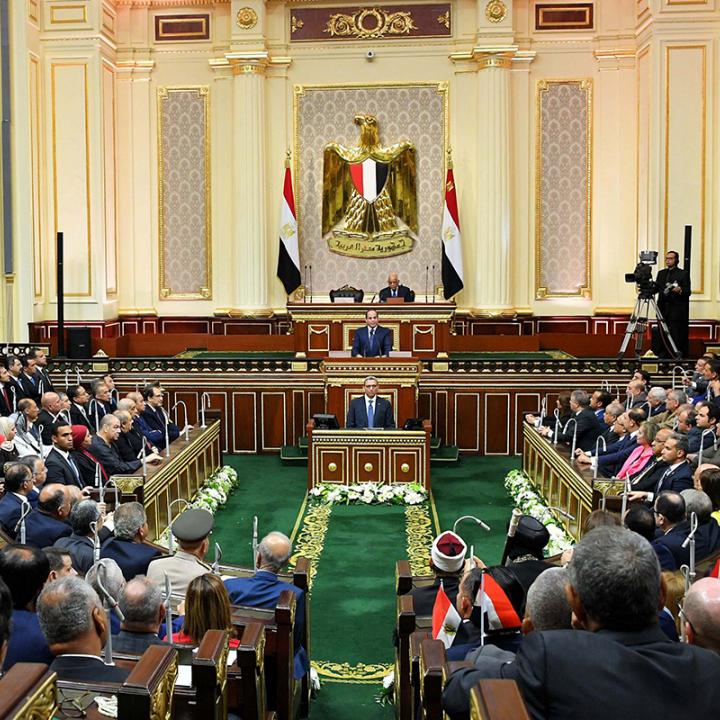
<point x="441" y="88"/>
<point x="205" y="291"/>
<point x="585" y="84"/>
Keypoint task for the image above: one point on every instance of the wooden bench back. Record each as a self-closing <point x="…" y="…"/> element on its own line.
<point x="28" y="690"/>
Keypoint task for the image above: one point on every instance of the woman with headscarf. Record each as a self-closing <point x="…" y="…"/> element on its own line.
<point x="86" y="462"/>
<point x="8" y="451"/>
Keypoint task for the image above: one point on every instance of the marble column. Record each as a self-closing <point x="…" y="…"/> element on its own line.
<point x="249" y="202"/>
<point x="491" y="268"/>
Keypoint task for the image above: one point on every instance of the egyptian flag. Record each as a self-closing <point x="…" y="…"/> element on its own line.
<point x="445" y="619"/>
<point x="369" y="178"/>
<point x="491" y="598"/>
<point x="452" y="266"/>
<point x="288" y="267"/>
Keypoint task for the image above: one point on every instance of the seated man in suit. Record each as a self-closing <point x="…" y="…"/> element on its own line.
<point x="48" y="522"/>
<point x="263" y="589"/>
<point x="79" y="400"/>
<point x="60" y="563"/>
<point x="701" y="614"/>
<point x="61" y="467"/>
<point x="76" y="627"/>
<point x="610" y="664"/>
<point x="587" y="426"/>
<point x="370" y="411"/>
<point x="394" y="290"/>
<point x="372" y="340"/>
<point x="25" y="571"/>
<point x="101" y="403"/>
<point x="107" y="572"/>
<point x="672" y="529"/>
<point x="141" y="603"/>
<point x="155" y="419"/>
<point x="18" y="485"/>
<point x="127" y="547"/>
<point x="103" y="448"/>
<point x="80" y="544"/>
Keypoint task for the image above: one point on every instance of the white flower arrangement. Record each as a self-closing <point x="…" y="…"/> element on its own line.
<point x="369" y="494"/>
<point x="216" y="489"/>
<point x="529" y="502"/>
<point x="387" y="695"/>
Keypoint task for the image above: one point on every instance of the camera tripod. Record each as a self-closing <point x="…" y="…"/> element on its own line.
<point x="638" y="324"/>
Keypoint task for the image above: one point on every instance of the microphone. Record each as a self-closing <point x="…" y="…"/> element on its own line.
<point x="373" y="298"/>
<point x="427" y="268"/>
<point x="434" y="284"/>
<point x="311" y="288"/>
<point x="305" y="282"/>
<point x="218" y="557"/>
<point x="477" y="520"/>
<point x="26" y="509"/>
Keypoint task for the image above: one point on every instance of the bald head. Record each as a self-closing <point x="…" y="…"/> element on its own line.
<point x="50" y="401"/>
<point x="702" y="614"/>
<point x="74" y="494"/>
<point x="274" y="551"/>
<point x="141" y="604"/>
<point x="699" y="471"/>
<point x="54" y="500"/>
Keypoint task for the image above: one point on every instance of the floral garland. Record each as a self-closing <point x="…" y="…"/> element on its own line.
<point x="216" y="489"/>
<point x="369" y="494"/>
<point x="529" y="502"/>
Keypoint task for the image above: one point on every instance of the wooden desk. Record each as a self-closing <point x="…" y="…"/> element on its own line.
<point x="179" y="476"/>
<point x="420" y="328"/>
<point x="561" y="481"/>
<point x="349" y="457"/>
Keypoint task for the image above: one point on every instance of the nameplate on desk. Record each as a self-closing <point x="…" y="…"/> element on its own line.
<point x="344" y="300"/>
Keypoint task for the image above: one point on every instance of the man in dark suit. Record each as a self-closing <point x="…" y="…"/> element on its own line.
<point x="41" y="372"/>
<point x="79" y="399"/>
<point x="672" y="528"/>
<point x="127" y="547"/>
<point x="25" y="571"/>
<point x="18" y="485"/>
<point x="48" y="522"/>
<point x="29" y="382"/>
<point x="100" y="405"/>
<point x="610" y="665"/>
<point x="264" y="587"/>
<point x="103" y="448"/>
<point x="587" y="426"/>
<point x="141" y="603"/>
<point x="76" y="627"/>
<point x="674" y="302"/>
<point x="15" y="370"/>
<point x="395" y="290"/>
<point x="677" y="474"/>
<point x="61" y="468"/>
<point x="370" y="411"/>
<point x="50" y="408"/>
<point x="372" y="340"/>
<point x="81" y="543"/>
<point x="155" y="419"/>
<point x="7" y="406"/>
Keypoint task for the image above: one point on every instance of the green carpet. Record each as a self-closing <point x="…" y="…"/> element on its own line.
<point x="353" y="593"/>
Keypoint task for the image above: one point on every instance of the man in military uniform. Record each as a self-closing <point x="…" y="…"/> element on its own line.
<point x="191" y="530"/>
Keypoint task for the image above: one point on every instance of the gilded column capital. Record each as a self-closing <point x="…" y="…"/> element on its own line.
<point x="488" y="56"/>
<point x="248" y="63"/>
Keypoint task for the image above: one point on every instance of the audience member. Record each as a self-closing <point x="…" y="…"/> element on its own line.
<point x="25" y="571"/>
<point x="612" y="668"/>
<point x="636" y="395"/>
<point x="60" y="563"/>
<point x="600" y="400"/>
<point x="81" y="543"/>
<point x="5" y="620"/>
<point x="18" y="486"/>
<point x="141" y="603"/>
<point x="8" y="451"/>
<point x="708" y="480"/>
<point x="7" y="396"/>
<point x="36" y="465"/>
<point x="191" y="530"/>
<point x="155" y="420"/>
<point x="84" y="460"/>
<point x="100" y="405"/>
<point x="107" y="572"/>
<point x="677" y="474"/>
<point x="613" y="429"/>
<point x="562" y="405"/>
<point x="667" y="419"/>
<point x="61" y="467"/>
<point x="705" y="430"/>
<point x="707" y="535"/>
<point x="641" y="519"/>
<point x="642" y="454"/>
<point x="103" y="447"/>
<point x="127" y="547"/>
<point x="673" y="530"/>
<point x="30" y="385"/>
<point x="207" y="607"/>
<point x="45" y="384"/>
<point x="27" y="438"/>
<point x="701" y="614"/>
<point x="587" y="426"/>
<point x="50" y="410"/>
<point x="647" y="478"/>
<point x="656" y="398"/>
<point x="48" y="522"/>
<point x="79" y="399"/>
<point x="76" y="627"/>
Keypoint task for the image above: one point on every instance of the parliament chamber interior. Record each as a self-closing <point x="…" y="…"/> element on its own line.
<point x="359" y="360"/>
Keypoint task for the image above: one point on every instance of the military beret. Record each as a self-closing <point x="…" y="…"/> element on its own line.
<point x="193" y="525"/>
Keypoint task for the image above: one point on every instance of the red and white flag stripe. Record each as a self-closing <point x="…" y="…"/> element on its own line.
<point x="288" y="269"/>
<point x="452" y="264"/>
<point x="445" y="618"/>
<point x="491" y="598"/>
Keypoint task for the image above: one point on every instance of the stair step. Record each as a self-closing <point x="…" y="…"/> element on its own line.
<point x="445" y="454"/>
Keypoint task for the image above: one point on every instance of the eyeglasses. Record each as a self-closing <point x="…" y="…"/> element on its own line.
<point x="685" y="618"/>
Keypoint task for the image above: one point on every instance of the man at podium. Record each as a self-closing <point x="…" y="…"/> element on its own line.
<point x="396" y="290"/>
<point x="372" y="340"/>
<point x="370" y="411"/>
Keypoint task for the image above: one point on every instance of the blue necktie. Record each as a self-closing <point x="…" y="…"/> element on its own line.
<point x="370" y="414"/>
<point x="372" y="339"/>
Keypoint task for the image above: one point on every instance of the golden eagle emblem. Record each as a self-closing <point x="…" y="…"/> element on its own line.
<point x="369" y="197"/>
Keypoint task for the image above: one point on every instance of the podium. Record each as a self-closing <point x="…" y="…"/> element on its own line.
<point x="422" y="329"/>
<point x="398" y="379"/>
<point x="349" y="457"/>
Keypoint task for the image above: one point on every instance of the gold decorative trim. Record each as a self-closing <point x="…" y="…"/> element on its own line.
<point x="585" y="84"/>
<point x="444" y="19"/>
<point x="295" y="24"/>
<point x="204" y="292"/>
<point x="246" y="18"/>
<point x="42" y="703"/>
<point x="381" y="24"/>
<point x="128" y="485"/>
<point x="135" y="312"/>
<point x="495" y="11"/>
<point x="419" y="531"/>
<point x="311" y="540"/>
<point x="69" y="20"/>
<point x="358" y="673"/>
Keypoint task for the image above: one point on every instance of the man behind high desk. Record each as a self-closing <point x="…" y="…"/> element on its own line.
<point x="372" y="340"/>
<point x="396" y="290"/>
<point x="674" y="302"/>
<point x="370" y="411"/>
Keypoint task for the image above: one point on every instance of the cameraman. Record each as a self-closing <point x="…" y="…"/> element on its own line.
<point x="674" y="302"/>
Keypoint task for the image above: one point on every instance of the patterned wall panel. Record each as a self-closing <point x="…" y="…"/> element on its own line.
<point x="563" y="188"/>
<point x="184" y="193"/>
<point x="324" y="114"/>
